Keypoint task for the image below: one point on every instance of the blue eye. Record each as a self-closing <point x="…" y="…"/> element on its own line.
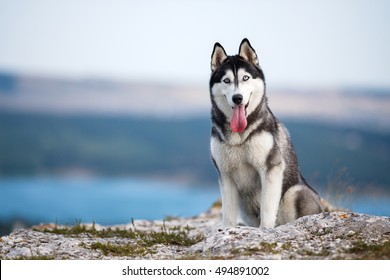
<point x="245" y="78"/>
<point x="226" y="81"/>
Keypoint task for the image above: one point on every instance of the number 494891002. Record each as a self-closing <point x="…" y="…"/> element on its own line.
<point x="242" y="270"/>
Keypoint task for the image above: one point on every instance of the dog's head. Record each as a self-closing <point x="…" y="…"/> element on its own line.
<point x="236" y="83"/>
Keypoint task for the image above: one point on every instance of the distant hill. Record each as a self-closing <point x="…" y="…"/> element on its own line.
<point x="350" y="106"/>
<point x="97" y="96"/>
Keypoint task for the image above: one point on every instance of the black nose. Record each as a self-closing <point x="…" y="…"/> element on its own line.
<point x="237" y="99"/>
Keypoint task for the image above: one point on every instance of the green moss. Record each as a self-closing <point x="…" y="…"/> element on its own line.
<point x="370" y="251"/>
<point x="287" y="246"/>
<point x="174" y="236"/>
<point x="145" y="240"/>
<point x="128" y="249"/>
<point x="142" y="240"/>
<point x="269" y="248"/>
<point x="77" y="229"/>
<point x="264" y="247"/>
<point x="310" y="253"/>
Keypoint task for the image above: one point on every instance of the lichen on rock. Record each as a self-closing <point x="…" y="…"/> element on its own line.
<point x="334" y="235"/>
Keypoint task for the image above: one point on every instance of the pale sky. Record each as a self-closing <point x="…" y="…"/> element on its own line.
<point x="327" y="43"/>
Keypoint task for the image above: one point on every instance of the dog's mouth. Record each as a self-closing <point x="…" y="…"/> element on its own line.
<point x="238" y="121"/>
<point x="245" y="107"/>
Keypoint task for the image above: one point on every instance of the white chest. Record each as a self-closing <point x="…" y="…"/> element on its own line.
<point x="252" y="153"/>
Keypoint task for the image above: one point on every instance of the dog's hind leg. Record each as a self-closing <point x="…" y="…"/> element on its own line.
<point x="298" y="201"/>
<point x="307" y="202"/>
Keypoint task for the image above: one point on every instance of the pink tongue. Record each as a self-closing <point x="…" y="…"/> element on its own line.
<point x="238" y="122"/>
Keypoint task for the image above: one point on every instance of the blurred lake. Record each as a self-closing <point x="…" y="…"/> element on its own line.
<point x="106" y="201"/>
<point x="110" y="201"/>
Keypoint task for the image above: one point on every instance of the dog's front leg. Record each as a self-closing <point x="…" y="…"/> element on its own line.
<point x="271" y="192"/>
<point x="230" y="201"/>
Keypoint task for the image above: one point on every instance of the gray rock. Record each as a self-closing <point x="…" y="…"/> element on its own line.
<point x="335" y="235"/>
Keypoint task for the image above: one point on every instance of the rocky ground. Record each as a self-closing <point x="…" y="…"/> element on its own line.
<point x="335" y="235"/>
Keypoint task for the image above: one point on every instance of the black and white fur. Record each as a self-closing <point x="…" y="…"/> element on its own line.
<point x="260" y="181"/>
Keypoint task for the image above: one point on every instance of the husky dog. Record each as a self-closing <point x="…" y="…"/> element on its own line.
<point x="260" y="181"/>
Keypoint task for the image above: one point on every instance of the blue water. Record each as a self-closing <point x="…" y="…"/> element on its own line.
<point x="109" y="201"/>
<point x="105" y="201"/>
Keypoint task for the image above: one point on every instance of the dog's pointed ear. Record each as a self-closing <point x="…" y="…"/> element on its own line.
<point x="248" y="53"/>
<point x="217" y="57"/>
